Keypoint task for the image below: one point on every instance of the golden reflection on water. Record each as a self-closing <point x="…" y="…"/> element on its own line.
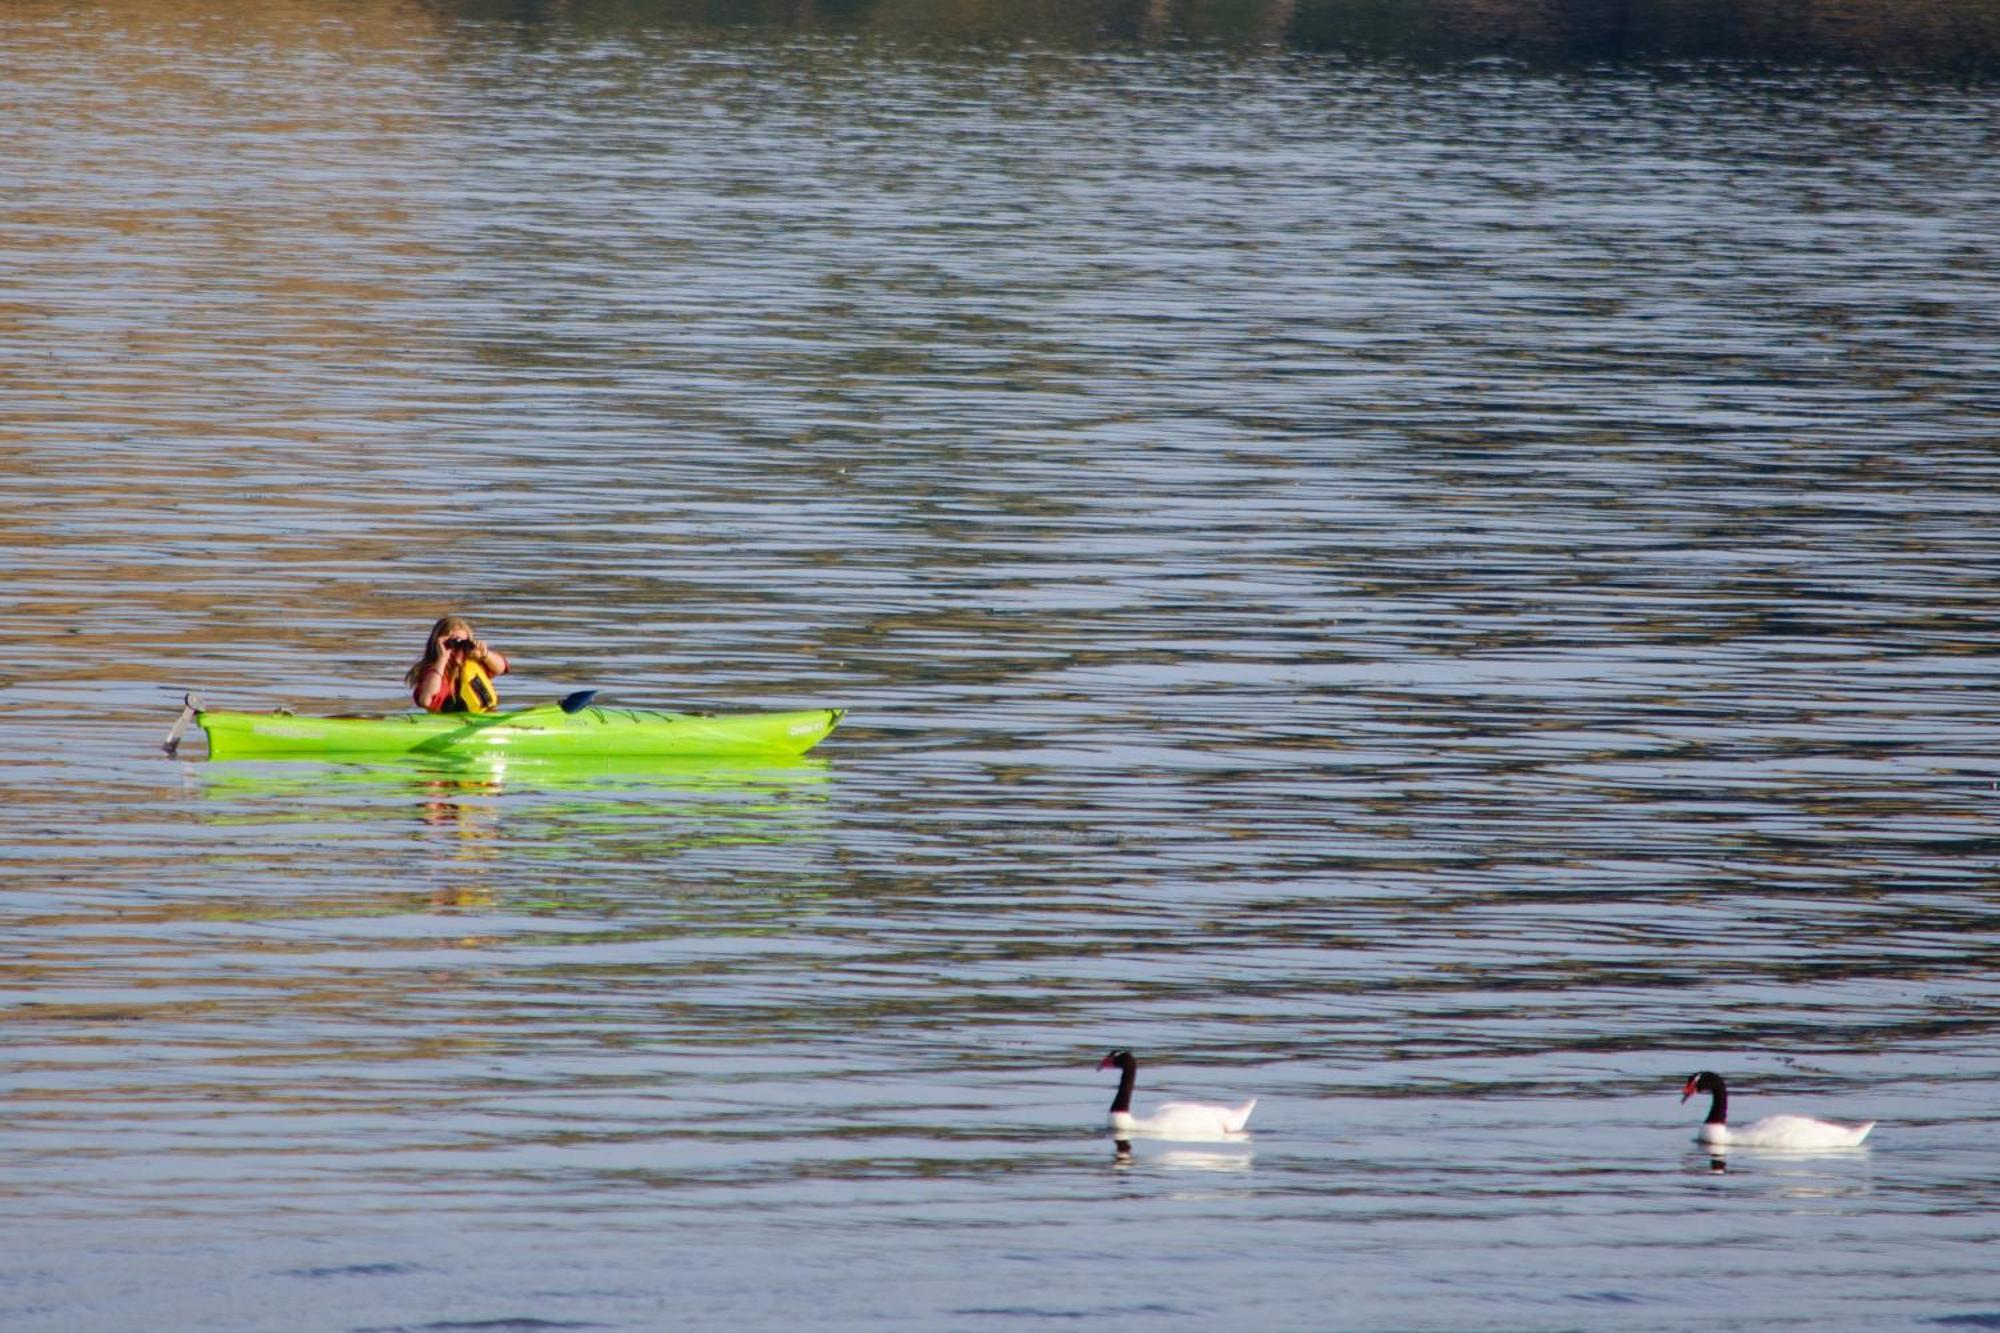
<point x="231" y="207"/>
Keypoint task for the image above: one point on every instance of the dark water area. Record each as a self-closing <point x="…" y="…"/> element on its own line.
<point x="1954" y="39"/>
<point x="1442" y="593"/>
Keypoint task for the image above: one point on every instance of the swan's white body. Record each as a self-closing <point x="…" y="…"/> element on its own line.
<point x="1187" y="1122"/>
<point x="1190" y="1122"/>
<point x="1796" y="1132"/>
<point x="1785" y="1131"/>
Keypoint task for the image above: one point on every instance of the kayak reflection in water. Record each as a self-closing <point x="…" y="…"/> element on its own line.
<point x="455" y="674"/>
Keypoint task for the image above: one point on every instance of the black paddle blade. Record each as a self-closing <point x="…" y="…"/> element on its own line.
<point x="571" y="703"/>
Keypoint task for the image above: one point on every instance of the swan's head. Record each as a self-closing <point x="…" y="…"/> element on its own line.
<point x="1117" y="1060"/>
<point x="1702" y="1082"/>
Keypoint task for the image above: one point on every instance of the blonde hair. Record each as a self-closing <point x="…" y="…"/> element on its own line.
<point x="447" y="627"/>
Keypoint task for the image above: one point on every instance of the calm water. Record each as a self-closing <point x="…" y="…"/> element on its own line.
<point x="1446" y="598"/>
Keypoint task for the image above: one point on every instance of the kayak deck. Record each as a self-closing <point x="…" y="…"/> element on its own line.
<point x="545" y="731"/>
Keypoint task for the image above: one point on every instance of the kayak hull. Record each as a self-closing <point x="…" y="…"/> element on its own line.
<point x="544" y="732"/>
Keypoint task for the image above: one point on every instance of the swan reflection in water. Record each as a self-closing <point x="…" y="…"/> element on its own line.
<point x="1800" y="1175"/>
<point x="1185" y="1159"/>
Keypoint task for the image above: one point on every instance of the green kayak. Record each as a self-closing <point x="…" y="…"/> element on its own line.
<point x="546" y="731"/>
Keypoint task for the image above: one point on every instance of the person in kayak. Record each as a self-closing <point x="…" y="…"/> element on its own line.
<point x="455" y="674"/>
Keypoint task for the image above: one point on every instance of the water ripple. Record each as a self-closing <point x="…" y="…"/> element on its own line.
<point x="1444" y="599"/>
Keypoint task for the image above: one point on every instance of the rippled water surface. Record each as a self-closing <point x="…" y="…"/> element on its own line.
<point x="1446" y="599"/>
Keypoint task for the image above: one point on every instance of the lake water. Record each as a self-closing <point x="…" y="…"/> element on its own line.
<point x="1446" y="595"/>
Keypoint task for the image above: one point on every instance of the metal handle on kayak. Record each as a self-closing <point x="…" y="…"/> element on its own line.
<point x="190" y="705"/>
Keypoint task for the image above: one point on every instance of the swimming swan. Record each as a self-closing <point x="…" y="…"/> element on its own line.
<point x="1777" y="1131"/>
<point x="1187" y="1121"/>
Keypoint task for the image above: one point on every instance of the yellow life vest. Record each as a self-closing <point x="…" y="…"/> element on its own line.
<point x="475" y="688"/>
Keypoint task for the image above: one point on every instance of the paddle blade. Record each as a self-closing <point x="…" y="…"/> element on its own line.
<point x="571" y="703"/>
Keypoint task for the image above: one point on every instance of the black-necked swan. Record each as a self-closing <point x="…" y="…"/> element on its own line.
<point x="1777" y="1131"/>
<point x="1187" y="1121"/>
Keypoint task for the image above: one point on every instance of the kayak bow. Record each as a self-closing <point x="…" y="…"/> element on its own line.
<point x="544" y="731"/>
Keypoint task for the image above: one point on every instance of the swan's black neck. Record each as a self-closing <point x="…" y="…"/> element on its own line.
<point x="1128" y="1073"/>
<point x="1718" y="1106"/>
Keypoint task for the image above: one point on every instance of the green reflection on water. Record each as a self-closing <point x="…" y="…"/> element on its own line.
<point x="527" y="835"/>
<point x="499" y="773"/>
